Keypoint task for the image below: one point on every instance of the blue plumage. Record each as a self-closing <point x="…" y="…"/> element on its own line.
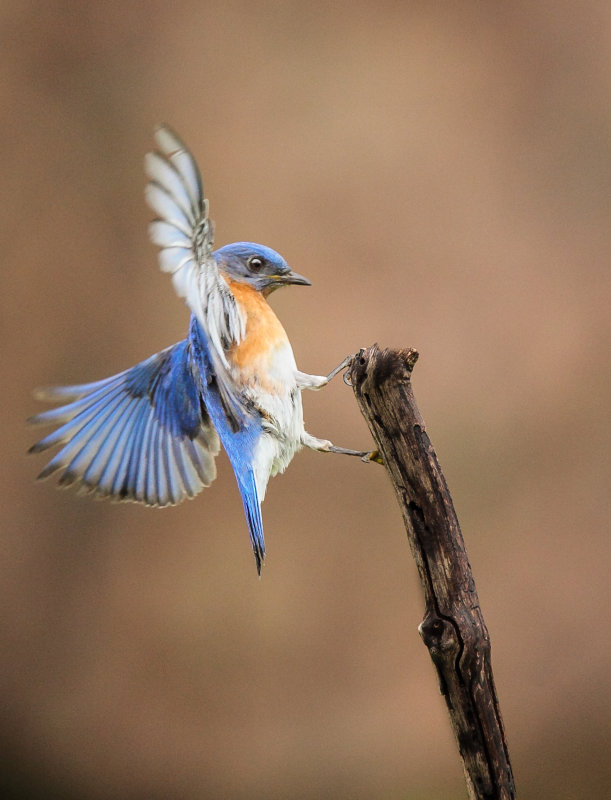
<point x="168" y="377"/>
<point x="142" y="435"/>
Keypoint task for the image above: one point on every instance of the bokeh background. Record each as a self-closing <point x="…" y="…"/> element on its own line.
<point x="442" y="173"/>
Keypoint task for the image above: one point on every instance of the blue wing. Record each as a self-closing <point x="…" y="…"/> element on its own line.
<point x="143" y="435"/>
<point x="239" y="445"/>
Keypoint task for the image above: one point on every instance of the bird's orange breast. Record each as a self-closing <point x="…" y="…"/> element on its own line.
<point x="265" y="336"/>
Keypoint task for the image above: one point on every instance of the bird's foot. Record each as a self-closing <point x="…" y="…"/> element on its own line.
<point x="373" y="455"/>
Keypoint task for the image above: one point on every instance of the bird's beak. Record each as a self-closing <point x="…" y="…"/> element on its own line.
<point x="296" y="278"/>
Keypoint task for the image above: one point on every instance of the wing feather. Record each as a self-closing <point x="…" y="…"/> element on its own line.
<point x="182" y="161"/>
<point x="164" y="234"/>
<point x="163" y="173"/>
<point x="142" y="435"/>
<point x="167" y="207"/>
<point x="185" y="234"/>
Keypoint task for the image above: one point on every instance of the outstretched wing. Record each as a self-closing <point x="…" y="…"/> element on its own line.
<point x="142" y="435"/>
<point x="185" y="233"/>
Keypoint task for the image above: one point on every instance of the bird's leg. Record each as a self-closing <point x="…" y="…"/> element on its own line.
<point x="315" y="382"/>
<point x="324" y="446"/>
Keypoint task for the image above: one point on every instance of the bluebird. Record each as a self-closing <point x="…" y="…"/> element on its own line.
<point x="151" y="434"/>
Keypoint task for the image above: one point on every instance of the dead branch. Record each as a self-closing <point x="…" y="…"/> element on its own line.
<point x="453" y="627"/>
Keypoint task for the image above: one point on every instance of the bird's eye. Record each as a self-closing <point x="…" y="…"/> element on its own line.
<point x="255" y="264"/>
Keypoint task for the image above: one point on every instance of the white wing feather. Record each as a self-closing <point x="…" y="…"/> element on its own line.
<point x="185" y="234"/>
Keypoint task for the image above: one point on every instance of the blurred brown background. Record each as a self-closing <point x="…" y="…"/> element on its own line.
<point x="442" y="173"/>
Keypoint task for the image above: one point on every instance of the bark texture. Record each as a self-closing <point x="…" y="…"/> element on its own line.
<point x="453" y="627"/>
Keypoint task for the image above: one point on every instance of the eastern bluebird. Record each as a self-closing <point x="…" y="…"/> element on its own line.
<point x="151" y="434"/>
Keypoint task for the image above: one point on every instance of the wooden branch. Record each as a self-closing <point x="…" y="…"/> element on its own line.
<point x="453" y="627"/>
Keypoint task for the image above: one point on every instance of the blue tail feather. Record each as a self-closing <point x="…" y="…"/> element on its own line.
<point x="252" y="510"/>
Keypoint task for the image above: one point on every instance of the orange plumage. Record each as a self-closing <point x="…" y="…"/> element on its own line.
<point x="264" y="338"/>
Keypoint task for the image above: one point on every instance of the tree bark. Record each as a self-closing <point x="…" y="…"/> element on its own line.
<point x="453" y="627"/>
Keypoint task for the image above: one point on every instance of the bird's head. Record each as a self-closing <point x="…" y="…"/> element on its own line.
<point x="257" y="265"/>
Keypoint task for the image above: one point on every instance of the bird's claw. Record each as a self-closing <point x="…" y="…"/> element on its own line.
<point x="373" y="455"/>
<point x="347" y="364"/>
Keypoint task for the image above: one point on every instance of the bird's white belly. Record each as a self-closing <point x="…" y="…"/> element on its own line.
<point x="275" y="394"/>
